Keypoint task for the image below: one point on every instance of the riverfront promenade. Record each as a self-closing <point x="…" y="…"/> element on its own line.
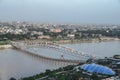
<point x="5" y="46"/>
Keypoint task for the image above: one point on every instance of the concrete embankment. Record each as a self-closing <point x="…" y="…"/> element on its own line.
<point x="5" y="46"/>
<point x="103" y="39"/>
<point x="74" y="41"/>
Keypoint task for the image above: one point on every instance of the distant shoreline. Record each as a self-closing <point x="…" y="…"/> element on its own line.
<point x="74" y="41"/>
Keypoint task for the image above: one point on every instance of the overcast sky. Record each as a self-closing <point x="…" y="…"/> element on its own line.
<point x="61" y="11"/>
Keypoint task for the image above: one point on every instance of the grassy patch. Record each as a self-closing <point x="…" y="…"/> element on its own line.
<point x="3" y="42"/>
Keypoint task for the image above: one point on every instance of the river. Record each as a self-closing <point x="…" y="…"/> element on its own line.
<point x="17" y="64"/>
<point x="102" y="49"/>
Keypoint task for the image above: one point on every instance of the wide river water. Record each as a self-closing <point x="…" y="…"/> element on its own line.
<point x="17" y="64"/>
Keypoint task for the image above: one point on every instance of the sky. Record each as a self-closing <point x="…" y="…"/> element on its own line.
<point x="61" y="11"/>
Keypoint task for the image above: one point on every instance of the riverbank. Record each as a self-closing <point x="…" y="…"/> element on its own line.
<point x="5" y="46"/>
<point x="74" y="41"/>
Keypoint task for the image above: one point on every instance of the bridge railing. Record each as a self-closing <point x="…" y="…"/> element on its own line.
<point x="58" y="47"/>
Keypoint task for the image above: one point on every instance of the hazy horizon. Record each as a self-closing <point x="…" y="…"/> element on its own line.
<point x="62" y="11"/>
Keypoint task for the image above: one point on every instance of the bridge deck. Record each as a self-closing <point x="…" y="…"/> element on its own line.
<point x="52" y="51"/>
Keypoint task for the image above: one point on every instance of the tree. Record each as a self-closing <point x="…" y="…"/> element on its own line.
<point x="12" y="78"/>
<point x="94" y="76"/>
<point x="48" y="72"/>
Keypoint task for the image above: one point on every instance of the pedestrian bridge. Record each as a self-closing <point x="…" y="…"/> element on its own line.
<point x="53" y="51"/>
